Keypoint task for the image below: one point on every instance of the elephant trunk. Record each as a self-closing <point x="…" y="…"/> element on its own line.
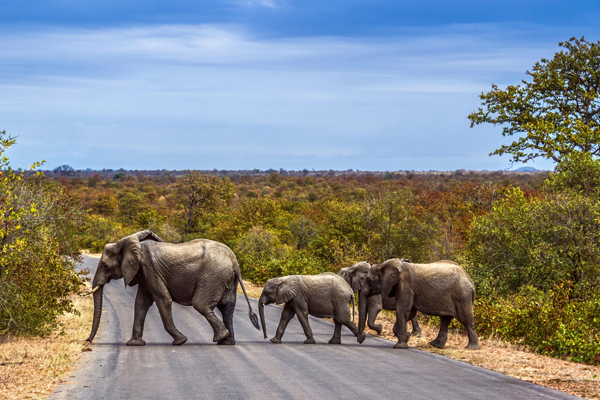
<point x="97" y="312"/>
<point x="362" y="310"/>
<point x="261" y="312"/>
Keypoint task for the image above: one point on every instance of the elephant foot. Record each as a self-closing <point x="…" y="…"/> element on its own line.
<point x="220" y="336"/>
<point x="310" y="341"/>
<point x="438" y="344"/>
<point x="401" y="345"/>
<point x="335" y="341"/>
<point x="179" y="341"/>
<point x="275" y="340"/>
<point x="472" y="346"/>
<point x="361" y="337"/>
<point x="136" y="342"/>
<point x="377" y="328"/>
<point x="415" y="333"/>
<point x="227" y="341"/>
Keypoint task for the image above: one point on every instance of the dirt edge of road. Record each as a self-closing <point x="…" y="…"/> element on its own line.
<point x="30" y="368"/>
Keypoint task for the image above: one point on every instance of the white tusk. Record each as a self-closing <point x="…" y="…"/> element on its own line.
<point x="91" y="291"/>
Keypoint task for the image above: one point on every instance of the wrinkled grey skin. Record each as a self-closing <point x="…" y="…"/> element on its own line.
<point x="325" y="296"/>
<point x="200" y="273"/>
<point x="442" y="288"/>
<point x="370" y="306"/>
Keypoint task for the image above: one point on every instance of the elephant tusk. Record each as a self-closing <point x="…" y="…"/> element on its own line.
<point x="91" y="291"/>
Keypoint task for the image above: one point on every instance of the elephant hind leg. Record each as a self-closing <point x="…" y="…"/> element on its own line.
<point x="227" y="313"/>
<point x="440" y="340"/>
<point x="206" y="309"/>
<point x="466" y="318"/>
<point x="337" y="333"/>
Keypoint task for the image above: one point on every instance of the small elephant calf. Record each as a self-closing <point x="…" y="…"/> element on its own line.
<point x="326" y="295"/>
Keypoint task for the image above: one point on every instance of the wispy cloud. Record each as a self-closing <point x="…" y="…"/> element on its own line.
<point x="118" y="97"/>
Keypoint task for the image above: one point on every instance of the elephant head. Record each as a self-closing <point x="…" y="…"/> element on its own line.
<point x="119" y="260"/>
<point x="383" y="278"/>
<point x="277" y="290"/>
<point x="356" y="277"/>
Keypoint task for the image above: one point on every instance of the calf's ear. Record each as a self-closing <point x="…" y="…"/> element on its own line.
<point x="287" y="289"/>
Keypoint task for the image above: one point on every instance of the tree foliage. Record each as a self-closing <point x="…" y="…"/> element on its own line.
<point x="557" y="113"/>
<point x="38" y="249"/>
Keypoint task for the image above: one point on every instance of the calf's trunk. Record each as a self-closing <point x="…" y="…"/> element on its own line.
<point x="261" y="312"/>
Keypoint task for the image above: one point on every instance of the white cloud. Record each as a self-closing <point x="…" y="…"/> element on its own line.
<point x="213" y="96"/>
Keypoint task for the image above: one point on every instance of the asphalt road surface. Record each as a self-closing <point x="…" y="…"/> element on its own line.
<point x="257" y="369"/>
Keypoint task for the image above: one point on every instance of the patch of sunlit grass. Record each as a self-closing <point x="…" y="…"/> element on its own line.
<point x="30" y="368"/>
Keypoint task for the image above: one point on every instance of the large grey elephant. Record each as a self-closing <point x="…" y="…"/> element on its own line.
<point x="326" y="295"/>
<point x="370" y="306"/>
<point x="442" y="288"/>
<point x="200" y="273"/>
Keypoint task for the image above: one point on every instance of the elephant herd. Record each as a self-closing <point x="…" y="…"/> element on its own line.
<point x="204" y="274"/>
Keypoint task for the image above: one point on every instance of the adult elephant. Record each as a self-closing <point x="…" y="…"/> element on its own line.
<point x="201" y="273"/>
<point x="370" y="306"/>
<point x="442" y="288"/>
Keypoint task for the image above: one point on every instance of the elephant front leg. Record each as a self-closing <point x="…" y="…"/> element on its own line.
<point x="164" y="308"/>
<point x="416" y="329"/>
<point x="143" y="301"/>
<point x="402" y="313"/>
<point x="302" y="312"/>
<point x="374" y="307"/>
<point x="286" y="316"/>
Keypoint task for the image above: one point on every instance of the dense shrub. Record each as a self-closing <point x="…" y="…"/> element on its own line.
<point x="563" y="321"/>
<point x="537" y="241"/>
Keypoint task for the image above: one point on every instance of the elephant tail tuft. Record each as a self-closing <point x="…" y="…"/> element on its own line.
<point x="253" y="317"/>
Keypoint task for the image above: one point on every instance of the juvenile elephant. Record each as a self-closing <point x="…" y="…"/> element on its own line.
<point x="370" y="306"/>
<point x="200" y="273"/>
<point x="325" y="296"/>
<point x="442" y="288"/>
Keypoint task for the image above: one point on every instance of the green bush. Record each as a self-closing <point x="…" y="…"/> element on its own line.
<point x="562" y="322"/>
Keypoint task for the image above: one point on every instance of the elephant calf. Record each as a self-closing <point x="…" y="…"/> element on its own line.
<point x="326" y="295"/>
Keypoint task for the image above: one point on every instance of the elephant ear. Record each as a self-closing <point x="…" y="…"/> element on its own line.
<point x="346" y="276"/>
<point x="131" y="254"/>
<point x="359" y="276"/>
<point x="390" y="276"/>
<point x="287" y="289"/>
<point x="148" y="235"/>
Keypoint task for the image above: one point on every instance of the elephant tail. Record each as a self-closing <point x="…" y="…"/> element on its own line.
<point x="253" y="317"/>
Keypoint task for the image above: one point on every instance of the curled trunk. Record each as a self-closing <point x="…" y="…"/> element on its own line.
<point x="261" y="312"/>
<point x="362" y="310"/>
<point x="97" y="312"/>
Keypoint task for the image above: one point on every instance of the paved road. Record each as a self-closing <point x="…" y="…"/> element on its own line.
<point x="257" y="369"/>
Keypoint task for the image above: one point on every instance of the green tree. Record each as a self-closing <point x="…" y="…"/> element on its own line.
<point x="198" y="193"/>
<point x="38" y="249"/>
<point x="557" y="113"/>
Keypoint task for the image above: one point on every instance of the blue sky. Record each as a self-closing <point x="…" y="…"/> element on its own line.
<point x="368" y="85"/>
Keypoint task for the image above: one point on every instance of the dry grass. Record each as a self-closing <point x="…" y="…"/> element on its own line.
<point x="516" y="361"/>
<point x="30" y="368"/>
